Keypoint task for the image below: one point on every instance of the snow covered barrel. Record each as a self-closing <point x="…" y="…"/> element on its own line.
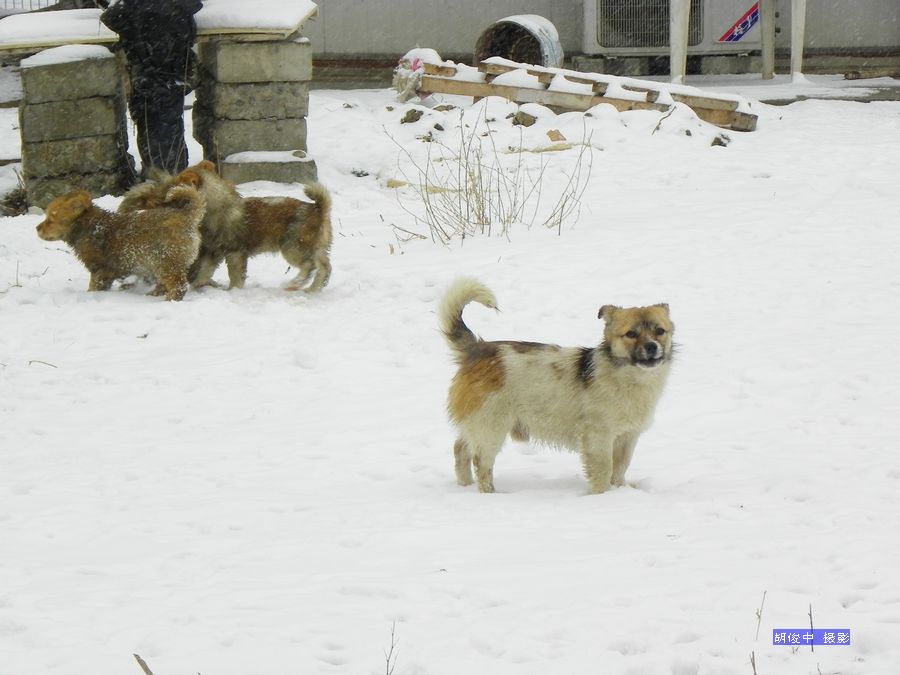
<point x="524" y="38"/>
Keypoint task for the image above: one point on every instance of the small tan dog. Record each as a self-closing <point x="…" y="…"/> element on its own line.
<point x="160" y="243"/>
<point x="594" y="400"/>
<point x="237" y="228"/>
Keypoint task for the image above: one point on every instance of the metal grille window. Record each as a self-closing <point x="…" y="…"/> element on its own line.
<point x="642" y="23"/>
<point x="25" y="4"/>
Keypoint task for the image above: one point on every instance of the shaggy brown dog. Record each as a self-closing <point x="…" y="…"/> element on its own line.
<point x="237" y="228"/>
<point x="594" y="400"/>
<point x="160" y="243"/>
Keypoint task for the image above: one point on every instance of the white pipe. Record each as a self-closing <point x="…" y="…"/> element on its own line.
<point x="767" y="30"/>
<point x="679" y="19"/>
<point x="798" y="32"/>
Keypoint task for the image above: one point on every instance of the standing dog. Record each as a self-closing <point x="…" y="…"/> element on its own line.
<point x="160" y="243"/>
<point x="237" y="228"/>
<point x="595" y="400"/>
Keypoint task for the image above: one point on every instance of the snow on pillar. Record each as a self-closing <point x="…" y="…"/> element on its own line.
<point x="798" y="32"/>
<point x="679" y="18"/>
<point x="767" y="29"/>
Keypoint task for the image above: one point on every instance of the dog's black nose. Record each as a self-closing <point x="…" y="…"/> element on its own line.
<point x="651" y="348"/>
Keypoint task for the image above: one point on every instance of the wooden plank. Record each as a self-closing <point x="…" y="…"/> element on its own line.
<point x="557" y="99"/>
<point x="439" y="70"/>
<point x="651" y="94"/>
<point x="544" y="77"/>
<point x="560" y="100"/>
<point x="705" y="102"/>
<point x="34" y="31"/>
<point x="491" y="70"/>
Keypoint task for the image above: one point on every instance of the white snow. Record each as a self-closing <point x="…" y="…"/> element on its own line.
<point x="66" y="54"/>
<point x="265" y="14"/>
<point x="268" y="156"/>
<point x="518" y="78"/>
<point x="54" y="28"/>
<point x="420" y="55"/>
<point x="216" y="16"/>
<point x="259" y="481"/>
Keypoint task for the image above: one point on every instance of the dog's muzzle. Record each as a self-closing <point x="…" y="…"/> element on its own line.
<point x="649" y="355"/>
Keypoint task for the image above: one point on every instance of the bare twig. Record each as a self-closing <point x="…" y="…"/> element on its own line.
<point x="759" y="614"/>
<point x="410" y="235"/>
<point x="43" y="363"/>
<point x="390" y="656"/>
<point x="662" y="119"/>
<point x="16" y="284"/>
<point x="811" y="646"/>
<point x="143" y="665"/>
<point x="753" y="662"/>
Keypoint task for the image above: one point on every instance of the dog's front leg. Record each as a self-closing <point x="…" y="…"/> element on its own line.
<point x="597" y="458"/>
<point x="100" y="281"/>
<point x="622" y="452"/>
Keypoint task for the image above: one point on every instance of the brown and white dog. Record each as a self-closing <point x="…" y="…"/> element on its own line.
<point x="237" y="228"/>
<point x="159" y="243"/>
<point x="593" y="400"/>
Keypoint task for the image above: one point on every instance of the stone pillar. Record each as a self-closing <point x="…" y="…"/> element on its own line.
<point x="250" y="109"/>
<point x="72" y="120"/>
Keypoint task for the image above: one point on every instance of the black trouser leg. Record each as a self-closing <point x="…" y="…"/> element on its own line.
<point x="158" y="116"/>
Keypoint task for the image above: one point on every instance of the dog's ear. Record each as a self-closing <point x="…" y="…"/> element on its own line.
<point x="606" y="312"/>
<point x="188" y="177"/>
<point x="80" y="200"/>
<point x="206" y="165"/>
<point x="664" y="306"/>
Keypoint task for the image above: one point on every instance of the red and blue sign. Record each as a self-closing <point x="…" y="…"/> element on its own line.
<point x="743" y="25"/>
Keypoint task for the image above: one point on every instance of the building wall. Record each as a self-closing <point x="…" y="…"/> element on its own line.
<point x="845" y="24"/>
<point x="392" y="27"/>
<point x="389" y="28"/>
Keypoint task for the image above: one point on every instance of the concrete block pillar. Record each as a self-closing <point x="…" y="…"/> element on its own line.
<point x="72" y="121"/>
<point x="250" y="109"/>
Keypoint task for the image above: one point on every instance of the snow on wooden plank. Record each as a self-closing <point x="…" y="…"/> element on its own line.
<point x="559" y="100"/>
<point x="559" y="88"/>
<point x="261" y="19"/>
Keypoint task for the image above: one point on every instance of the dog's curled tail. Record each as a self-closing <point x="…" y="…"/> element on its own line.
<point x="186" y="197"/>
<point x="460" y="293"/>
<point x="322" y="198"/>
<point x="320" y="234"/>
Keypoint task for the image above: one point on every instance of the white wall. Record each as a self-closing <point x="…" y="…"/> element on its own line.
<point x="388" y="28"/>
<point x="392" y="27"/>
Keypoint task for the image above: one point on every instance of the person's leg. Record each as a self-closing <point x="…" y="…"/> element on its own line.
<point x="158" y="115"/>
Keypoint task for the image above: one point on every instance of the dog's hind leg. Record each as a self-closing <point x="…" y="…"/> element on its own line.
<point x="237" y="269"/>
<point x="304" y="272"/>
<point x="202" y="270"/>
<point x="484" y="451"/>
<point x="323" y="273"/>
<point x="307" y="264"/>
<point x="463" y="462"/>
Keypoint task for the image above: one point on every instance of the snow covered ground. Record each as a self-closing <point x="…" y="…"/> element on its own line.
<point x="261" y="482"/>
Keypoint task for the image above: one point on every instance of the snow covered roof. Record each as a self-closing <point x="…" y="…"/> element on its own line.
<point x="275" y="18"/>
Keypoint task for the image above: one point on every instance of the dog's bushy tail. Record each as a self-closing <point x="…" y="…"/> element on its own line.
<point x="147" y="195"/>
<point x="322" y="199"/>
<point x="319" y="234"/>
<point x="188" y="198"/>
<point x="460" y="293"/>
